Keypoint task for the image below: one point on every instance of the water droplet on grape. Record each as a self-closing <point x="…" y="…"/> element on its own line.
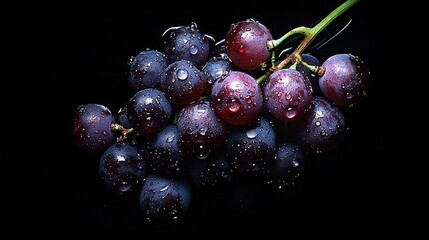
<point x="193" y="50"/>
<point x="234" y="106"/>
<point x="182" y="74"/>
<point x="291" y="112"/>
<point x="169" y="139"/>
<point x="251" y="133"/>
<point x="317" y="123"/>
<point x="164" y="188"/>
<point x="124" y="187"/>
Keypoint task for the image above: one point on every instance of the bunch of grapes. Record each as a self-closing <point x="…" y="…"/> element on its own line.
<point x="200" y="116"/>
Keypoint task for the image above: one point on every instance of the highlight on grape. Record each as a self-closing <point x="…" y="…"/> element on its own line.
<point x="200" y="115"/>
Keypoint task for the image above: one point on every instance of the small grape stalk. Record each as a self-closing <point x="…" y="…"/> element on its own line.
<point x="200" y="117"/>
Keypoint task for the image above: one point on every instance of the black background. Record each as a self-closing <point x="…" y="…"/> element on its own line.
<point x="60" y="55"/>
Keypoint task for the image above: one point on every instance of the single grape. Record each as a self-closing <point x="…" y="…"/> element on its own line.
<point x="322" y="128"/>
<point x="187" y="43"/>
<point x="201" y="130"/>
<point x="122" y="168"/>
<point x="288" y="94"/>
<point x="91" y="127"/>
<point x="237" y="98"/>
<point x="146" y="70"/>
<point x="183" y="82"/>
<point x="163" y="151"/>
<point x="246" y="44"/>
<point x="250" y="148"/>
<point x="345" y="80"/>
<point x="287" y="166"/>
<point x="164" y="200"/>
<point x="149" y="111"/>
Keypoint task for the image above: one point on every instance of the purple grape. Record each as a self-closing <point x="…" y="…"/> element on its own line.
<point x="183" y="82"/>
<point x="187" y="43"/>
<point x="163" y="151"/>
<point x="201" y="130"/>
<point x="164" y="200"/>
<point x="149" y="111"/>
<point x="122" y="168"/>
<point x="250" y="148"/>
<point x="322" y="128"/>
<point x="288" y="94"/>
<point x="91" y="127"/>
<point x="146" y="70"/>
<point x="237" y="98"/>
<point x="346" y="79"/>
<point x="246" y="44"/>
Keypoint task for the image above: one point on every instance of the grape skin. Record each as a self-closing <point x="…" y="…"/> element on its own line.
<point x="346" y="79"/>
<point x="322" y="128"/>
<point x="288" y="94"/>
<point x="246" y="44"/>
<point x="122" y="168"/>
<point x="249" y="148"/>
<point x="237" y="98"/>
<point x="146" y="70"/>
<point x="165" y="199"/>
<point x="91" y="127"/>
<point x="183" y="82"/>
<point x="149" y="111"/>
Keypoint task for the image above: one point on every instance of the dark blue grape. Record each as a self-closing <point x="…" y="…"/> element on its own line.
<point x="164" y="200"/>
<point x="146" y="70"/>
<point x="201" y="130"/>
<point x="287" y="166"/>
<point x="163" y="151"/>
<point x="122" y="168"/>
<point x="149" y="111"/>
<point x="322" y="128"/>
<point x="213" y="171"/>
<point x="183" y="82"/>
<point x="187" y="43"/>
<point x="249" y="148"/>
<point x="91" y="127"/>
<point x="287" y="94"/>
<point x="346" y="79"/>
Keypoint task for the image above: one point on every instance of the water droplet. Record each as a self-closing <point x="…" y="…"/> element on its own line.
<point x="289" y="96"/>
<point x="323" y="132"/>
<point x="251" y="133"/>
<point x="202" y="131"/>
<point x="248" y="99"/>
<point x="182" y="74"/>
<point x="148" y="101"/>
<point x="234" y="106"/>
<point x="164" y="188"/>
<point x="193" y="50"/>
<point x="291" y="112"/>
<point x="169" y="139"/>
<point x="295" y="163"/>
<point x="124" y="187"/>
<point x="317" y="123"/>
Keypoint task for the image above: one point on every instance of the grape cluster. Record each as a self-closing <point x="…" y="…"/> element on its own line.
<point x="199" y="116"/>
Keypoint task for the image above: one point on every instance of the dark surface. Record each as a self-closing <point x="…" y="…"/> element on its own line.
<point x="59" y="56"/>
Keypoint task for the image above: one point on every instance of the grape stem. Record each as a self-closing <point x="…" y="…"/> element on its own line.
<point x="124" y="132"/>
<point x="309" y="35"/>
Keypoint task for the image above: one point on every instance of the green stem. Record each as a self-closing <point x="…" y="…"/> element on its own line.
<point x="309" y="35"/>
